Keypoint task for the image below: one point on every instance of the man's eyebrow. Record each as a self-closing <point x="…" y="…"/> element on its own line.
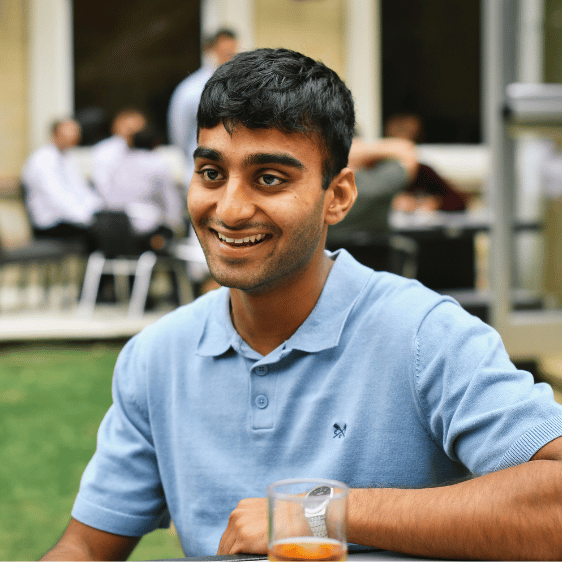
<point x="207" y="153"/>
<point x="263" y="158"/>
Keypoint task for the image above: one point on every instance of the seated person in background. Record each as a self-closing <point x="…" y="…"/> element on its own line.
<point x="60" y="201"/>
<point x="107" y="154"/>
<point x="142" y="185"/>
<point x="427" y="190"/>
<point x="382" y="169"/>
<point x="245" y="385"/>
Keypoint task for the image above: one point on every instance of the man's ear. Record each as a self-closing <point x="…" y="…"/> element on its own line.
<point x="340" y="196"/>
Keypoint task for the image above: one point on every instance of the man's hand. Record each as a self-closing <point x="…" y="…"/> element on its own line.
<point x="247" y="528"/>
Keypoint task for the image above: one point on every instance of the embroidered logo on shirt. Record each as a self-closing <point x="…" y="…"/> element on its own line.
<point x="339" y="431"/>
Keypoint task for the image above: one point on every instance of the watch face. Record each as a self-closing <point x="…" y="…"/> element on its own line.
<point x="320" y="491"/>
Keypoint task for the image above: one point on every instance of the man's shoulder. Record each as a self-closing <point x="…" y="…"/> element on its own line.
<point x="377" y="179"/>
<point x="45" y="151"/>
<point x="193" y="83"/>
<point x="399" y="292"/>
<point x="375" y="293"/>
<point x="41" y="157"/>
<point x="149" y="159"/>
<point x="185" y="323"/>
<point x="110" y="144"/>
<point x="108" y="141"/>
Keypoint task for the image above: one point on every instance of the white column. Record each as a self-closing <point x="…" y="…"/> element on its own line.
<point x="530" y="150"/>
<point x="50" y="66"/>
<point x="531" y="45"/>
<point x="363" y="62"/>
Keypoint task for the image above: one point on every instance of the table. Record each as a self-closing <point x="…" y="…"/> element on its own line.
<point x="446" y="255"/>
<point x="358" y="556"/>
<point x="449" y="224"/>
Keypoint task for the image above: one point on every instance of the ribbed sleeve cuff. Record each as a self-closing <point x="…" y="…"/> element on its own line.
<point x="116" y="522"/>
<point x="530" y="442"/>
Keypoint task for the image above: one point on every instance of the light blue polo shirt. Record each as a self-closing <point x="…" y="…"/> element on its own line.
<point x="386" y="383"/>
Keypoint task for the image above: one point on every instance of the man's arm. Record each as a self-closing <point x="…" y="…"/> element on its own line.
<point x="367" y="154"/>
<point x="80" y="542"/>
<point x="512" y="514"/>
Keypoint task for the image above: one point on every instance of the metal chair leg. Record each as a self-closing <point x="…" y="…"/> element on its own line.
<point x="143" y="274"/>
<point x="90" y="288"/>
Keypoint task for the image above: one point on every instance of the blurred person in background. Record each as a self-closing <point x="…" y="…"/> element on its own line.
<point x="427" y="190"/>
<point x="142" y="185"/>
<point x="108" y="153"/>
<point x="182" y="111"/>
<point x="182" y="125"/>
<point x="60" y="202"/>
<point x="382" y="169"/>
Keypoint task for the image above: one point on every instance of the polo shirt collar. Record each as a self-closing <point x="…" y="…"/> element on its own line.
<point x="219" y="334"/>
<point x="321" y="330"/>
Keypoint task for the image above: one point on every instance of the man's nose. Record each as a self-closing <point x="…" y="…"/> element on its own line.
<point x="235" y="204"/>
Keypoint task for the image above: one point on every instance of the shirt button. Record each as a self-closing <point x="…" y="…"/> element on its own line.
<point x="261" y="370"/>
<point x="261" y="401"/>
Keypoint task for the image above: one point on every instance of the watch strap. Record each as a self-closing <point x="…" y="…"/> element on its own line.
<point x="318" y="525"/>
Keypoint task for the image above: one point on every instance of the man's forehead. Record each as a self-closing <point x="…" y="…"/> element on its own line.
<point x="257" y="140"/>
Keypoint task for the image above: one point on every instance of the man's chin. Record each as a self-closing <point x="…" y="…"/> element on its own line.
<point x="240" y="282"/>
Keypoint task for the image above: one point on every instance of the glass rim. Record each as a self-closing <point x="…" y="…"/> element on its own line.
<point x="344" y="488"/>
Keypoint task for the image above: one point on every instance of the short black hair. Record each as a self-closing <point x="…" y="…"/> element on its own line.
<point x="285" y="90"/>
<point x="146" y="138"/>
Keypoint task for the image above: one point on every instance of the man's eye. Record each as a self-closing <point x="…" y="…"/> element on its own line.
<point x="270" y="180"/>
<point x="209" y="174"/>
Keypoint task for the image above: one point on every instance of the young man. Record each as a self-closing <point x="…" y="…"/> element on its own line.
<point x="309" y="364"/>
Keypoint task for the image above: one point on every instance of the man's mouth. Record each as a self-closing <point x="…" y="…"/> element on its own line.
<point x="246" y="241"/>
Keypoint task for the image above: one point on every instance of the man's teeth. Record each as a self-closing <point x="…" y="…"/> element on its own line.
<point x="246" y="240"/>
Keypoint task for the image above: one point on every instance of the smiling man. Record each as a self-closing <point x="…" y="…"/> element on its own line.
<point x="307" y="364"/>
<point x="257" y="208"/>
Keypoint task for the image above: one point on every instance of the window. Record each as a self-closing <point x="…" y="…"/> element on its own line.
<point x="431" y="66"/>
<point x="131" y="53"/>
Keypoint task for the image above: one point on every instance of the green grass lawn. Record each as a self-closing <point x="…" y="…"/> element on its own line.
<point x="52" y="399"/>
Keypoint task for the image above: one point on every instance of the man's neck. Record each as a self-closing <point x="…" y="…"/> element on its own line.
<point x="266" y="320"/>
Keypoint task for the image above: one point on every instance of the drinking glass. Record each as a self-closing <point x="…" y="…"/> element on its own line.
<point x="307" y="520"/>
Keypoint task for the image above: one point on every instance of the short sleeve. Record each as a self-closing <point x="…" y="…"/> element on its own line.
<point x="121" y="491"/>
<point x="480" y="409"/>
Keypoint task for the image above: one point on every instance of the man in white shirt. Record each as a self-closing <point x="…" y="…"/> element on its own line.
<point x="108" y="153"/>
<point x="61" y="204"/>
<point x="143" y="186"/>
<point x="182" y="111"/>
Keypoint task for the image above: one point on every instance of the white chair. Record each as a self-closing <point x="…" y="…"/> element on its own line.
<point x="118" y="256"/>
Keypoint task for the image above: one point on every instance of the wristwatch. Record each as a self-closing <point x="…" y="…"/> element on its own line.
<point x="315" y="511"/>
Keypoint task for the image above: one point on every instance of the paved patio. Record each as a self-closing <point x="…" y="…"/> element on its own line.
<point x="107" y="322"/>
<point x="33" y="312"/>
